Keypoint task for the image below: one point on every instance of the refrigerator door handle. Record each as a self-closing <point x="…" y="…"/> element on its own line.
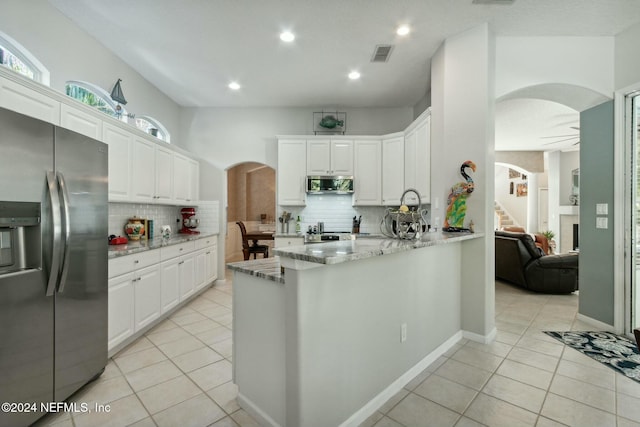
<point x="54" y="198"/>
<point x="66" y="231"/>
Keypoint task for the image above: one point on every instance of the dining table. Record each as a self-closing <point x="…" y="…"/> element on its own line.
<point x="256" y="235"/>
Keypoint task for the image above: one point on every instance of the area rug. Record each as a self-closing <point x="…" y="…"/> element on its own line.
<point x="617" y="352"/>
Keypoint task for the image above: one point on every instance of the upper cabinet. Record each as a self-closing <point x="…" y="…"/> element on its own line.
<point x="80" y="121"/>
<point x="367" y="173"/>
<point x="330" y="157"/>
<point x="292" y="172"/>
<point x="392" y="170"/>
<point x="417" y="160"/>
<point x="140" y="169"/>
<point x="30" y="102"/>
<point x="120" y="154"/>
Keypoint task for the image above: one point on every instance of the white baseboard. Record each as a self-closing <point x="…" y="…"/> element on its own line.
<point x="374" y="404"/>
<point x="258" y="414"/>
<point x="483" y="339"/>
<point x="600" y="326"/>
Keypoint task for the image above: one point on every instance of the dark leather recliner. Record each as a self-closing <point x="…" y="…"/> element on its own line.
<point x="519" y="261"/>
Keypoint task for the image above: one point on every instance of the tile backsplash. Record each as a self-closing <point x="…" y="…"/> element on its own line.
<point x="337" y="212"/>
<point x="120" y="213"/>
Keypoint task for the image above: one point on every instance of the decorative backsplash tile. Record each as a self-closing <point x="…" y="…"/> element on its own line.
<point x="120" y="213"/>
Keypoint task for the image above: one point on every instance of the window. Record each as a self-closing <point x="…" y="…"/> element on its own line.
<point x="20" y="60"/>
<point x="94" y="96"/>
<point x="153" y="127"/>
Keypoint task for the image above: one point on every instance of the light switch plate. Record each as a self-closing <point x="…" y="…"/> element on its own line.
<point x="602" y="222"/>
<point x="602" y="209"/>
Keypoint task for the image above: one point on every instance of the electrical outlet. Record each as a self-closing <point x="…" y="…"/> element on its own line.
<point x="403" y="332"/>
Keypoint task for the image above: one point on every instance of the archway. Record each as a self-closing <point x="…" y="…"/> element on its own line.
<point x="251" y="198"/>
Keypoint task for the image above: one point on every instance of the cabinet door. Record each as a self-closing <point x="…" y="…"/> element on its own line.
<point x="392" y="170"/>
<point x="147" y="296"/>
<point x="164" y="175"/>
<point x="292" y="172"/>
<point x="410" y="167"/>
<point x="79" y="121"/>
<point x="367" y="173"/>
<point x="187" y="276"/>
<point x="120" y="142"/>
<point x="181" y="178"/>
<point x="194" y="181"/>
<point x="319" y="157"/>
<point x="201" y="269"/>
<point x="19" y="98"/>
<point x="169" y="284"/>
<point x="120" y="318"/>
<point x="341" y="158"/>
<point x="143" y="171"/>
<point x="423" y="160"/>
<point x="211" y="254"/>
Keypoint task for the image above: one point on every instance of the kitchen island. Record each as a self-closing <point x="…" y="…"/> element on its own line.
<point x="325" y="334"/>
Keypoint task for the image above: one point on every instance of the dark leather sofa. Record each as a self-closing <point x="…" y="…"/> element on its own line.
<point x="520" y="262"/>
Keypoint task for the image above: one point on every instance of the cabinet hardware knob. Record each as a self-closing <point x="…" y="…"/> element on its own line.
<point x="208" y="253"/>
<point x="136" y="261"/>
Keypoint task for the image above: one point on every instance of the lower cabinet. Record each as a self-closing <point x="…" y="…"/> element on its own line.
<point x="121" y="323"/>
<point x="146" y="296"/>
<point x="144" y="286"/>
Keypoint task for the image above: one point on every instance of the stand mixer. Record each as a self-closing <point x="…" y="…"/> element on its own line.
<point x="189" y="221"/>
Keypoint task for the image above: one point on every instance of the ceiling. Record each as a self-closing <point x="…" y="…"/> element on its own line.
<point x="192" y="49"/>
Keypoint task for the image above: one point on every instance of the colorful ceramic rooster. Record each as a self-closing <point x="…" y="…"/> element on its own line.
<point x="457" y="200"/>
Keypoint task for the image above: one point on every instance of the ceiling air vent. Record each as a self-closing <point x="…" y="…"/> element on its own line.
<point x="503" y="2"/>
<point x="381" y="53"/>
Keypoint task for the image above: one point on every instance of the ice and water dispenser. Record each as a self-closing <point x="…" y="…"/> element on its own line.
<point x="20" y="247"/>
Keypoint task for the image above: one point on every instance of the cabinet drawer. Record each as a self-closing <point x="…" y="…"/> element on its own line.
<point x="128" y="263"/>
<point x="205" y="242"/>
<point x="173" y="251"/>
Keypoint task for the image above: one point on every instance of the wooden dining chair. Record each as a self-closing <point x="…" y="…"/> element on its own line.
<point x="254" y="249"/>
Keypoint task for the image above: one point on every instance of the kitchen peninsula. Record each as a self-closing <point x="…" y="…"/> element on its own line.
<point x="325" y="334"/>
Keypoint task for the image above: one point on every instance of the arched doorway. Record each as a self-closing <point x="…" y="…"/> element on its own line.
<point x="251" y="198"/>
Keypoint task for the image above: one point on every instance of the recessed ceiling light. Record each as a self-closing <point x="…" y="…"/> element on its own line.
<point x="354" y="75"/>
<point x="287" y="36"/>
<point x="234" y="86"/>
<point x="403" y="30"/>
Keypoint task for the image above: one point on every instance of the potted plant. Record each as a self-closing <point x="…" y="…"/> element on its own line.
<point x="552" y="243"/>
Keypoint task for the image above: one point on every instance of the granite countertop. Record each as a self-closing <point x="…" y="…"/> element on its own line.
<point x="268" y="268"/>
<point x="135" y="246"/>
<point x="336" y="252"/>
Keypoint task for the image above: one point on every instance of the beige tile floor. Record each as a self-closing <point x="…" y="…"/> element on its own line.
<point x="179" y="374"/>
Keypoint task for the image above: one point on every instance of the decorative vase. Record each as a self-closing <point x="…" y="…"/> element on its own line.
<point x="134" y="229"/>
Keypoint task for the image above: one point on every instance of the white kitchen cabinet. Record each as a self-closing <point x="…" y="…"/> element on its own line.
<point x="121" y="309"/>
<point x="368" y="173"/>
<point x="206" y="261"/>
<point x="292" y="172"/>
<point x="186" y="272"/>
<point x="169" y="284"/>
<point x="80" y="121"/>
<point x="330" y="157"/>
<point x="280" y="242"/>
<point x="417" y="161"/>
<point x="146" y="286"/>
<point x="163" y="175"/>
<point x="25" y="100"/>
<point x="120" y="152"/>
<point x="194" y="181"/>
<point x="181" y="178"/>
<point x="392" y="170"/>
<point x="143" y="184"/>
<point x="211" y="267"/>
<point x="200" y="269"/>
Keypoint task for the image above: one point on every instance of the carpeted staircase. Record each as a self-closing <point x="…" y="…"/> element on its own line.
<point x="504" y="220"/>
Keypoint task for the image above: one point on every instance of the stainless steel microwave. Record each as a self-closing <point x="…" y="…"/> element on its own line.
<point x="329" y="184"/>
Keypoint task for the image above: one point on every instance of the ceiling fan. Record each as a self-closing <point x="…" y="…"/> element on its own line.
<point x="569" y="137"/>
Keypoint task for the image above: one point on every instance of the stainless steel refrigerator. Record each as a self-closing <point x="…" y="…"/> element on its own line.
<point x="53" y="264"/>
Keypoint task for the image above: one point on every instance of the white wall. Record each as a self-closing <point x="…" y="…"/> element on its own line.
<point x="70" y="54"/>
<point x="514" y="205"/>
<point x="228" y="136"/>
<point x="458" y="93"/>
<point x="627" y="60"/>
<point x="578" y="61"/>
